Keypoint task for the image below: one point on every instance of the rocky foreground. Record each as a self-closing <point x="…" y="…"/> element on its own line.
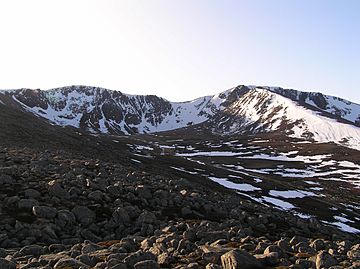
<point x="58" y="210"/>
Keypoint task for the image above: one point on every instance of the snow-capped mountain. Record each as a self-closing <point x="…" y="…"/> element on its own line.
<point x="240" y="110"/>
<point x="99" y="110"/>
<point x="263" y="109"/>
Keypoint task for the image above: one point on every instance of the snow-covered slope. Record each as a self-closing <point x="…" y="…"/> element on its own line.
<point x="263" y="110"/>
<point x="336" y="106"/>
<point x="99" y="110"/>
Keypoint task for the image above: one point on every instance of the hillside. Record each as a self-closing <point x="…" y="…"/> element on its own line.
<point x="246" y="183"/>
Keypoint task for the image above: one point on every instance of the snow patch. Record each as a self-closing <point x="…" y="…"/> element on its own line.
<point x="291" y="193"/>
<point x="236" y="186"/>
<point x="278" y="203"/>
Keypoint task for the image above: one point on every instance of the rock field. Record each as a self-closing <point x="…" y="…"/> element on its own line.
<point x="58" y="210"/>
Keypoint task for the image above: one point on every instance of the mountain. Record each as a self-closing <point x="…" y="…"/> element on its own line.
<point x="310" y="116"/>
<point x="99" y="110"/>
<point x="240" y="110"/>
<point x="239" y="183"/>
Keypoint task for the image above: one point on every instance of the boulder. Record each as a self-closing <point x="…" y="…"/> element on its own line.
<point x="318" y="244"/>
<point x="27" y="204"/>
<point x="84" y="215"/>
<point x="238" y="259"/>
<point x="96" y="195"/>
<point x="31" y="193"/>
<point x="269" y="259"/>
<point x="146" y="217"/>
<point x="55" y="189"/>
<point x="138" y="256"/>
<point x="33" y="250"/>
<point x="69" y="263"/>
<point x="44" y="212"/>
<point x="5" y="264"/>
<point x="354" y="253"/>
<point x="324" y="260"/>
<point x="120" y="216"/>
<point x="65" y="219"/>
<point x="147" y="264"/>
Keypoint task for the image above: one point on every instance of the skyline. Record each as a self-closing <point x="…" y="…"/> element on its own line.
<point x="181" y="50"/>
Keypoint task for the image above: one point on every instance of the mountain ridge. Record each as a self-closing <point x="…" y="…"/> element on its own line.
<point x="102" y="111"/>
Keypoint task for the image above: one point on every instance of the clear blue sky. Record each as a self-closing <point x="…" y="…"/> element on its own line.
<point x="182" y="49"/>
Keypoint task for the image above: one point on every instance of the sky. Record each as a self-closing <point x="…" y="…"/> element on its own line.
<point x="181" y="49"/>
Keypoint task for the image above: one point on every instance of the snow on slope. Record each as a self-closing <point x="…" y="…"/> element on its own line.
<point x="183" y="114"/>
<point x="334" y="105"/>
<point x="103" y="111"/>
<point x="192" y="112"/>
<point x="343" y="108"/>
<point x="65" y="116"/>
<point x="320" y="128"/>
<point x="261" y="110"/>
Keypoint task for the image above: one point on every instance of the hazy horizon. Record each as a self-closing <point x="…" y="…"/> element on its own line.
<point x="181" y="50"/>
